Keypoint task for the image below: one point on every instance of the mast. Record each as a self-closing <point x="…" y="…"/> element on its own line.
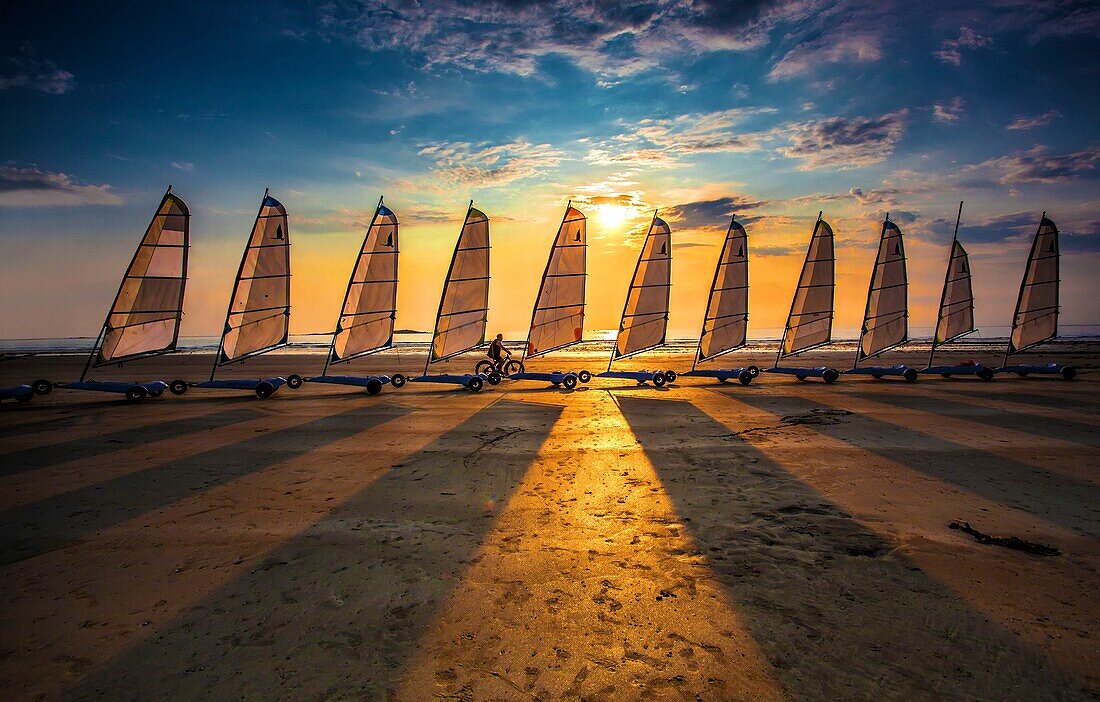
<point x="946" y="281"/>
<point x="870" y="290"/>
<point x="1031" y="272"/>
<point x="236" y="281"/>
<point x="551" y="282"/>
<point x="637" y="265"/>
<point x="97" y="347"/>
<point x="720" y="284"/>
<point x="347" y="293"/>
<point x="794" y="299"/>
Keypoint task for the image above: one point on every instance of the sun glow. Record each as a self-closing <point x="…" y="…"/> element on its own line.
<point x="612" y="216"/>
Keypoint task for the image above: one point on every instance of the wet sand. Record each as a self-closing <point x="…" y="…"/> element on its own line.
<point x="785" y="540"/>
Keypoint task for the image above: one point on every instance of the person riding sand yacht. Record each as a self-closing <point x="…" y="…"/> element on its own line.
<point x="498" y="354"/>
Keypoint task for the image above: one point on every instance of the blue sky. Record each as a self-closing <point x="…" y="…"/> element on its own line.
<point x="772" y="110"/>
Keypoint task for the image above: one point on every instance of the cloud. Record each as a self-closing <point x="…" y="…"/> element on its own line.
<point x="846" y="48"/>
<point x="1037" y="166"/>
<point x="1032" y="122"/>
<point x="488" y="165"/>
<point x="30" y="187"/>
<point x="948" y="112"/>
<point x="709" y="214"/>
<point x="665" y="142"/>
<point x="950" y="50"/>
<point x="28" y="71"/>
<point x="842" y="143"/>
<point x="613" y="39"/>
<point x="185" y="166"/>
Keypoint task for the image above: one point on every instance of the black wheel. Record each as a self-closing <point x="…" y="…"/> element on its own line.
<point x="1022" y="374"/>
<point x="25" y="397"/>
<point x="513" y="367"/>
<point x="136" y="393"/>
<point x="910" y="375"/>
<point x="801" y="377"/>
<point x="584" y="376"/>
<point x="494" y="378"/>
<point x="483" y="367"/>
<point x="877" y="376"/>
<point x="398" y="380"/>
<point x="1069" y="372"/>
<point x="670" y="376"/>
<point x="155" y="393"/>
<point x="475" y="384"/>
<point x="570" y="382"/>
<point x="754" y="370"/>
<point x="659" y="379"/>
<point x="177" y="387"/>
<point x="41" y="387"/>
<point x="264" y="390"/>
<point x="745" y="377"/>
<point x="374" y="386"/>
<point x="830" y="376"/>
<point x="294" y="381"/>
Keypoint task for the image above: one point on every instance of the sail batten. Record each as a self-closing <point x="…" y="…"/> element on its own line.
<point x="1036" y="317"/>
<point x="557" y="320"/>
<point x="810" y="321"/>
<point x="145" y="315"/>
<point x="647" y="299"/>
<point x="369" y="310"/>
<point x="258" y="319"/>
<point x="725" y="322"/>
<point x="461" y="320"/>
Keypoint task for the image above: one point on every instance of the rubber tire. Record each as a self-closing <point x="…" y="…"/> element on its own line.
<point x="877" y="376"/>
<point x="264" y="390"/>
<point x="670" y="376"/>
<point x="755" y="370"/>
<point x="25" y="397"/>
<point x="156" y="393"/>
<point x="41" y="387"/>
<point x="483" y="367"/>
<point x="659" y="379"/>
<point x="136" y="393"/>
<point x="570" y="382"/>
<point x="494" y="378"/>
<point x="1069" y="372"/>
<point x="294" y="381"/>
<point x="584" y="376"/>
<point x="745" y="377"/>
<point x="830" y="376"/>
<point x="986" y="374"/>
<point x="177" y="387"/>
<point x="475" y="384"/>
<point x="513" y="367"/>
<point x="910" y="375"/>
<point x="398" y="380"/>
<point x="373" y="386"/>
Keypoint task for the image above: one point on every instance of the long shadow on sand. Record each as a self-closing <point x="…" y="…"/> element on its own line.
<point x="838" y="615"/>
<point x="37" y="527"/>
<point x="1060" y="401"/>
<point x="337" y="611"/>
<point x="78" y="449"/>
<point x="1064" y="429"/>
<point x="1057" y="498"/>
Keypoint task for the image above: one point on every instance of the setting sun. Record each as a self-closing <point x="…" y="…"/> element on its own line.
<point x="612" y="216"/>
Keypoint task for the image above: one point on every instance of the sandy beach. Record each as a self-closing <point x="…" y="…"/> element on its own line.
<point x="784" y="540"/>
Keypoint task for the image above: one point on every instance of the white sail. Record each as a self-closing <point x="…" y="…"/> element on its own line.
<point x="259" y="310"/>
<point x="645" y="315"/>
<point x="810" y="322"/>
<point x="370" y="304"/>
<point x="956" y="317"/>
<point x="145" y="316"/>
<point x="1036" y="318"/>
<point x="725" y="324"/>
<point x="558" y="318"/>
<point x="886" y="320"/>
<point x="460" y="324"/>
